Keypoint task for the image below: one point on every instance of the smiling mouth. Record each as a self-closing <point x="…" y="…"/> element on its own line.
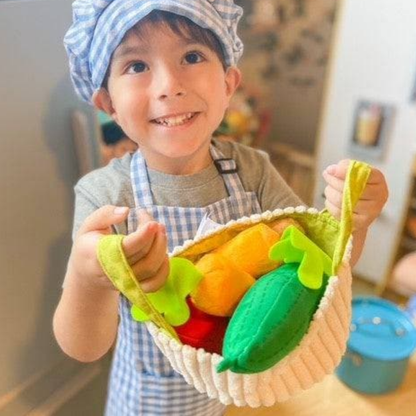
<point x="174" y="121"/>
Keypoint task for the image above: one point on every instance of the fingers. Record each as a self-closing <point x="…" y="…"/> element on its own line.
<point x="148" y="265"/>
<point x="333" y="196"/>
<point x="339" y="170"/>
<point x="158" y="279"/>
<point x="152" y="269"/>
<point x="334" y="191"/>
<point x="333" y="209"/>
<point x="138" y="244"/>
<point x="374" y="192"/>
<point x="365" y="211"/>
<point x="333" y="181"/>
<point x="143" y="217"/>
<point x="103" y="218"/>
<point x="376" y="187"/>
<point x="145" y="250"/>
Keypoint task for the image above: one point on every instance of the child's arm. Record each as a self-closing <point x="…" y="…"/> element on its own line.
<point x="86" y="319"/>
<point x="368" y="207"/>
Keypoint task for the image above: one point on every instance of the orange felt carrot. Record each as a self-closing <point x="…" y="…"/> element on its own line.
<point x="249" y="250"/>
<point x="222" y="287"/>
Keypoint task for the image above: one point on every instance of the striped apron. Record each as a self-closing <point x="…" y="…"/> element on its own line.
<point x="142" y="382"/>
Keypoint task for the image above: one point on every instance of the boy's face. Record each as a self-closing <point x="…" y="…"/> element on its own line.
<point x="168" y="94"/>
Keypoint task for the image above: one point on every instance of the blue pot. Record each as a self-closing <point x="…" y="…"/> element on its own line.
<point x="381" y="342"/>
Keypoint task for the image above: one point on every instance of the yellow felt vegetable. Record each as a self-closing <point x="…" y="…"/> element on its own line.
<point x="222" y="287"/>
<point x="249" y="250"/>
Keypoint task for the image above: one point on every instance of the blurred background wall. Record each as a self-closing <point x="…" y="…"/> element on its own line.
<point x="38" y="170"/>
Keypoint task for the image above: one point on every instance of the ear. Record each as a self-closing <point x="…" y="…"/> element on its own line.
<point x="232" y="80"/>
<point x="102" y="101"/>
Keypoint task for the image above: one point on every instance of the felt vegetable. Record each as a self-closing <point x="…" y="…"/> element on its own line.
<point x="269" y="322"/>
<point x="203" y="330"/>
<point x="230" y="270"/>
<point x="295" y="247"/>
<point x="222" y="287"/>
<point x="170" y="299"/>
<point x="249" y="250"/>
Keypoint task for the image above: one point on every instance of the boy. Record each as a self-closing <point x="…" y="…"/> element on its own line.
<point x="165" y="71"/>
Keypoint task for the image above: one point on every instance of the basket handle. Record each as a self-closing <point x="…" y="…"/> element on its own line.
<point x="115" y="265"/>
<point x="355" y="182"/>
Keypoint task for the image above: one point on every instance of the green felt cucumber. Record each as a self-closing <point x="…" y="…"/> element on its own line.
<point x="269" y="321"/>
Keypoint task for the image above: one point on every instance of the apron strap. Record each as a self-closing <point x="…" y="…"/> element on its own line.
<point x="140" y="181"/>
<point x="229" y="172"/>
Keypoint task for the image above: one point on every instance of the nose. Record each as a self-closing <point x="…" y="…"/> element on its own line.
<point x="169" y="83"/>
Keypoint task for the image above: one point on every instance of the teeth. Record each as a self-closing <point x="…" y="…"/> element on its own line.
<point x="174" y="121"/>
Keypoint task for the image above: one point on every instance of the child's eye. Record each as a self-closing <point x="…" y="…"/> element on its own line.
<point x="137" y="67"/>
<point x="193" y="58"/>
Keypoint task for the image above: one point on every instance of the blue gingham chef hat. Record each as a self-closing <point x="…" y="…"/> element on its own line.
<point x="100" y="25"/>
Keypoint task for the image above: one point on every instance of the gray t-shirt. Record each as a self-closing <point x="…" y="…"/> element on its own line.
<point x="111" y="184"/>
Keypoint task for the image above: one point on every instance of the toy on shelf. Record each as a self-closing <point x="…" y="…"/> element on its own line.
<point x="245" y="121"/>
<point x="308" y="298"/>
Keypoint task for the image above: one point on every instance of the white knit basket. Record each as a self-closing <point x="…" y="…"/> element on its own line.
<point x="321" y="348"/>
<point x="317" y="355"/>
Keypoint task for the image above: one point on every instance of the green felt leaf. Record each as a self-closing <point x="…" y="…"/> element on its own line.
<point x="170" y="300"/>
<point x="296" y="247"/>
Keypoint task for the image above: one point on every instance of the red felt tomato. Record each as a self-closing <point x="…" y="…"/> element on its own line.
<point x="203" y="330"/>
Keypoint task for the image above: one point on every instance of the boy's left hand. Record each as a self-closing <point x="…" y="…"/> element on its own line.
<point x="371" y="202"/>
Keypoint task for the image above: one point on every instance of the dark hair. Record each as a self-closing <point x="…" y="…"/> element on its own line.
<point x="112" y="133"/>
<point x="180" y="25"/>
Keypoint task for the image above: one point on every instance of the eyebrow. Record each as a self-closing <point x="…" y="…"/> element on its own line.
<point x="126" y="50"/>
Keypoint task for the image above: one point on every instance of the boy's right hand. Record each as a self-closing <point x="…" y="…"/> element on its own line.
<point x="145" y="250"/>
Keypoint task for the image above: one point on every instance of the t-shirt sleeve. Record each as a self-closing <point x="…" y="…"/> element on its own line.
<point x="106" y="186"/>
<point x="273" y="191"/>
<point x="85" y="205"/>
